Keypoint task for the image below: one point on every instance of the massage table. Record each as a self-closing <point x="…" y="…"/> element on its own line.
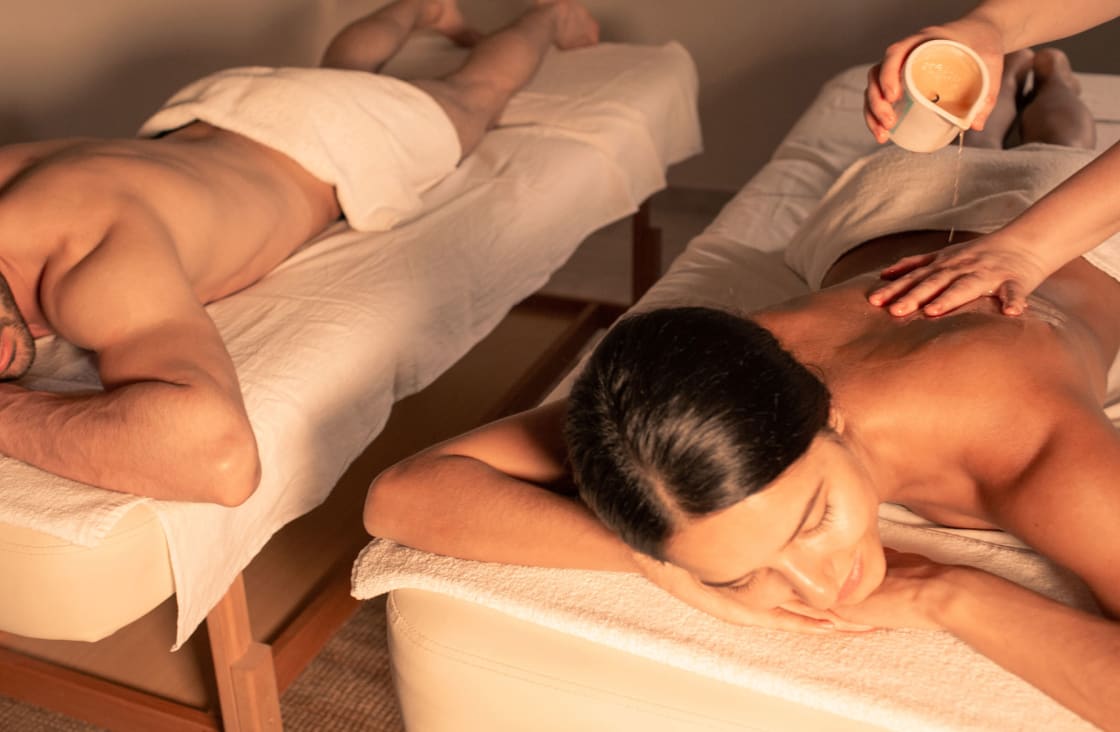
<point x="478" y="645"/>
<point x="324" y="346"/>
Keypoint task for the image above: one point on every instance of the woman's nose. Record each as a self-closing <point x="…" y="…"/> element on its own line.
<point x="811" y="578"/>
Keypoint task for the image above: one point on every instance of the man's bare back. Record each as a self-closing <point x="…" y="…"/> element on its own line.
<point x="227" y="209"/>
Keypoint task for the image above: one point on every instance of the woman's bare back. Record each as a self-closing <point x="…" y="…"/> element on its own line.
<point x="959" y="407"/>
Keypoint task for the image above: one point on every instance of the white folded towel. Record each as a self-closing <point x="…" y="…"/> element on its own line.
<point x="379" y="141"/>
<point x="894" y="190"/>
<point x="898" y="679"/>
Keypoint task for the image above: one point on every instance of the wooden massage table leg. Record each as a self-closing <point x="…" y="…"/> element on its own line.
<point x="645" y="252"/>
<point x="250" y="675"/>
<point x="95" y="700"/>
<point x="244" y="669"/>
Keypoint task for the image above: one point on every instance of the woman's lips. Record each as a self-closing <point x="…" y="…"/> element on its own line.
<point x="854" y="577"/>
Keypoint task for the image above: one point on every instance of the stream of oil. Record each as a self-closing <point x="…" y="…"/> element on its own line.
<point x="957" y="180"/>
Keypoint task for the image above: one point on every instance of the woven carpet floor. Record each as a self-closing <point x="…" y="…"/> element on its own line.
<point x="347" y="688"/>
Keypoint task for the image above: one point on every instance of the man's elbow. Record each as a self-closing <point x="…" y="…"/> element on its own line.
<point x="228" y="463"/>
<point x="237" y="471"/>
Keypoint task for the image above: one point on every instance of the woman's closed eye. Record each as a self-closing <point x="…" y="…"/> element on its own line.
<point x="745" y="586"/>
<point x="824" y="523"/>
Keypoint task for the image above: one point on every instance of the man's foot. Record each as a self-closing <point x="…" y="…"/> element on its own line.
<point x="575" y="26"/>
<point x="445" y="17"/>
<point x="1017" y="67"/>
<point x="1052" y="65"/>
<point x="1001" y="128"/>
<point x="1056" y="113"/>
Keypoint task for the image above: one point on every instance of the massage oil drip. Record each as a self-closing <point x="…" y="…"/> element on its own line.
<point x="957" y="181"/>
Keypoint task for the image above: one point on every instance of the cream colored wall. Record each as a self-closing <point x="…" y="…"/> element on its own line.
<point x="98" y="67"/>
<point x="69" y="67"/>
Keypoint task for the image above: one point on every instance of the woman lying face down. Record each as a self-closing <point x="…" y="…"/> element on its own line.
<point x="739" y="464"/>
<point x="667" y="455"/>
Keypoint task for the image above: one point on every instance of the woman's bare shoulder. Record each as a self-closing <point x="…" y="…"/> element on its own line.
<point x="1066" y="502"/>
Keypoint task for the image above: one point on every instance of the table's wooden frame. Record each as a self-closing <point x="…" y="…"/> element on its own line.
<point x="251" y="674"/>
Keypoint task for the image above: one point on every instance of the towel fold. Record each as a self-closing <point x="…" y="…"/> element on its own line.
<point x="893" y="190"/>
<point x="379" y="141"/>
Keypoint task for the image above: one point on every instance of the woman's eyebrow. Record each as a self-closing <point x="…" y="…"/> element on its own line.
<point x="804" y="517"/>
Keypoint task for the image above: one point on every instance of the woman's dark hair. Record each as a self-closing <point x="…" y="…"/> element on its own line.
<point x="683" y="412"/>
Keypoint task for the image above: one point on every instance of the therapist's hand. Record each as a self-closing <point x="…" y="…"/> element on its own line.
<point x="722" y="604"/>
<point x="988" y="266"/>
<point x="884" y="81"/>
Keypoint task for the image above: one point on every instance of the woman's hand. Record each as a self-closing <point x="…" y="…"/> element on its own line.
<point x="884" y="81"/>
<point x="721" y="603"/>
<point x="909" y="596"/>
<point x="948" y="278"/>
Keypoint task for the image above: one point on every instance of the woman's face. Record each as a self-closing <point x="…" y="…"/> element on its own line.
<point x="812" y="536"/>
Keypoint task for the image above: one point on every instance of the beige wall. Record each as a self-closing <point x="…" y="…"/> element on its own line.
<point x="71" y="67"/>
<point x="98" y="67"/>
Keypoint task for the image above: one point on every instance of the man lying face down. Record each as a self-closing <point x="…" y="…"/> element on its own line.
<point x="116" y="245"/>
<point x="739" y="462"/>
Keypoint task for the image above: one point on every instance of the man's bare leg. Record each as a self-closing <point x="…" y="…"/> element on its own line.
<point x="367" y="43"/>
<point x="1016" y="67"/>
<point x="1056" y="114"/>
<point x="503" y="62"/>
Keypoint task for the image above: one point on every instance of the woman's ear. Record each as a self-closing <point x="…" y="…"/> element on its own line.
<point x="836" y="420"/>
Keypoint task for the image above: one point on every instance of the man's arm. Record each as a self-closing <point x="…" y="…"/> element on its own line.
<point x="171" y="423"/>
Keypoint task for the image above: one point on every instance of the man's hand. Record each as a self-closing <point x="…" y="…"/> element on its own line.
<point x="946" y="279"/>
<point x="794" y="616"/>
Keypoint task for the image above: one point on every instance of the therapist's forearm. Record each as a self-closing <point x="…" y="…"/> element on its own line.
<point x="1075" y="217"/>
<point x="1024" y="23"/>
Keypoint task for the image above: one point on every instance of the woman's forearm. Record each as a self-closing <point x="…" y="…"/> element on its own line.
<point x="1024" y="23"/>
<point x="1070" y="655"/>
<point x="461" y="507"/>
<point x="1075" y="217"/>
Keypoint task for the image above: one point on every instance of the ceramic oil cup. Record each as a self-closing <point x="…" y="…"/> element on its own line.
<point x="944" y="84"/>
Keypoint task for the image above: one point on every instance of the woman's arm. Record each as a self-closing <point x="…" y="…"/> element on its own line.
<point x="1065" y="507"/>
<point x="1072" y="656"/>
<point x="993" y="29"/>
<point x="1011" y="262"/>
<point x="1077" y="216"/>
<point x="502" y="493"/>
